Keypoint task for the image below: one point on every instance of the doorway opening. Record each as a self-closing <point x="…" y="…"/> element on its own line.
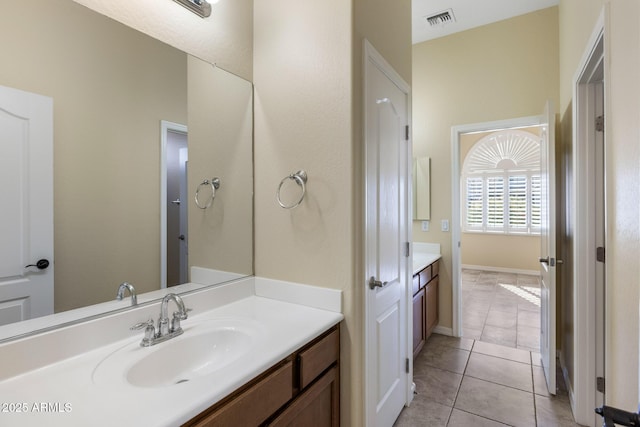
<point x="500" y="188"/>
<point x="173" y="205"/>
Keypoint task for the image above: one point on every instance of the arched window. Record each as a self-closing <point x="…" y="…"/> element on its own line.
<point x="501" y="184"/>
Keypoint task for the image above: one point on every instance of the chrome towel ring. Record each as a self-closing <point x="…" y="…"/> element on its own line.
<point x="300" y="178"/>
<point x="215" y="184"/>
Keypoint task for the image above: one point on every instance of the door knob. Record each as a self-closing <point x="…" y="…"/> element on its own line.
<point x="373" y="283"/>
<point x="181" y="237"/>
<point x="544" y="260"/>
<point x="41" y="264"/>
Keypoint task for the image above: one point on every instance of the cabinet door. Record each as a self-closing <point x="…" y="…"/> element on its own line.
<point x="419" y="333"/>
<point x="317" y="406"/>
<point x="432" y="306"/>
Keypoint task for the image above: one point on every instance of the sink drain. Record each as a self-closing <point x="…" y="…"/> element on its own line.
<point x="181" y="381"/>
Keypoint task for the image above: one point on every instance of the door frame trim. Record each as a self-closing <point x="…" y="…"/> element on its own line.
<point x="456" y="230"/>
<point x="165" y="128"/>
<point x="582" y="392"/>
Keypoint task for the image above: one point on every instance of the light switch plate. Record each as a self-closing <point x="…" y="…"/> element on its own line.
<point x="425" y="225"/>
<point x="444" y="225"/>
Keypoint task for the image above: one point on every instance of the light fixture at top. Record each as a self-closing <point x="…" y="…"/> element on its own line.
<point x="201" y="8"/>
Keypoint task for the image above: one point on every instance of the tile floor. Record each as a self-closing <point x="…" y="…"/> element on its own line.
<point x="501" y="308"/>
<point x="464" y="382"/>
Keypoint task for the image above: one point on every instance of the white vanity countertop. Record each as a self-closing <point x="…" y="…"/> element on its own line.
<point x="66" y="393"/>
<point x="424" y="254"/>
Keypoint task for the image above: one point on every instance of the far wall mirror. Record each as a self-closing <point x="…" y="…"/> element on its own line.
<point x="114" y="91"/>
<point x="422" y="188"/>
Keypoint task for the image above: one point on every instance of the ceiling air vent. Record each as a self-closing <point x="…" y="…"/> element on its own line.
<point x="441" y="18"/>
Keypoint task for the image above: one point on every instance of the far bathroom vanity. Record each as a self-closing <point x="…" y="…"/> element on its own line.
<point x="426" y="258"/>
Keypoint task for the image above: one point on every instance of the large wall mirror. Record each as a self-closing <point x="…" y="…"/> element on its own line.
<point x="138" y="126"/>
<point x="421" y="188"/>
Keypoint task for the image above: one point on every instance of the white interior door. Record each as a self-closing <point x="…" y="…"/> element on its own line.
<point x="26" y="218"/>
<point x="387" y="217"/>
<point x="548" y="259"/>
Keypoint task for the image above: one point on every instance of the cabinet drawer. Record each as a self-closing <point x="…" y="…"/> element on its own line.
<point x="253" y="406"/>
<point x="315" y="359"/>
<point x="435" y="269"/>
<point x="425" y="276"/>
<point x="416" y="284"/>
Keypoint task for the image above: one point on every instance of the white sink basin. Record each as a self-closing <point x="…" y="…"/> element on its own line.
<point x="201" y="350"/>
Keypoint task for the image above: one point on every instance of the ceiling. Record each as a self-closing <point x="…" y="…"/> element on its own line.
<point x="467" y="14"/>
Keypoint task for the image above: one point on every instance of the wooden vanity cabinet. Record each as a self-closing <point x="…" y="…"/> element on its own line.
<point x="301" y="390"/>
<point x="425" y="305"/>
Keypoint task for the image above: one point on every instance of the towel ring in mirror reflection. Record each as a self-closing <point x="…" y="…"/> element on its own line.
<point x="215" y="184"/>
<point x="300" y="178"/>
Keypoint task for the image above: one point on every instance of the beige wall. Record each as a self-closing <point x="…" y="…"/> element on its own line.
<point x="106" y="188"/>
<point x="224" y="39"/>
<point x="500" y="251"/>
<point x="307" y="77"/>
<point x="499" y="71"/>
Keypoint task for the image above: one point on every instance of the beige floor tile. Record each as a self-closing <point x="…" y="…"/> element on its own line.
<point x="528" y="337"/>
<point x="539" y="381"/>
<point x="529" y="306"/>
<point x="529" y="318"/>
<point x="446" y="358"/>
<point x="501" y="319"/>
<point x="536" y="358"/>
<point x="472" y="333"/>
<point x="461" y="343"/>
<point x="423" y="412"/>
<point x="500" y="371"/>
<point x="496" y="402"/>
<point x="502" y="351"/>
<point x="496" y="335"/>
<point x="552" y="411"/>
<point x="465" y="419"/>
<point x="507" y="307"/>
<point x="437" y="385"/>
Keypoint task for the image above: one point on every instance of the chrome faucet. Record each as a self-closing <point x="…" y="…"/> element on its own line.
<point x="132" y="291"/>
<point x="165" y="330"/>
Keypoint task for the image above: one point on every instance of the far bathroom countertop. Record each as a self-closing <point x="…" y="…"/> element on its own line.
<point x="64" y="393"/>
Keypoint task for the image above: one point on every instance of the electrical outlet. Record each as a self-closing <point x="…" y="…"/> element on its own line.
<point x="425" y="225"/>
<point x="444" y="225"/>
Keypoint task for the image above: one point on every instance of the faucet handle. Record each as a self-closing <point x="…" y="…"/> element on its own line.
<point x="141" y="325"/>
<point x="149" y="332"/>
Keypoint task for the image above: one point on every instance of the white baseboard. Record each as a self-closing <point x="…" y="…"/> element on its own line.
<point x="442" y="330"/>
<point x="567" y="383"/>
<point x="500" y="269"/>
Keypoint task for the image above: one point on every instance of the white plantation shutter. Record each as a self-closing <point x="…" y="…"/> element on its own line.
<point x="518" y="202"/>
<point x="495" y="202"/>
<point x="475" y="202"/>
<point x="536" y="203"/>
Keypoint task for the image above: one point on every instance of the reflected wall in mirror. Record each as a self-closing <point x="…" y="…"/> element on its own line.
<point x="422" y="188"/>
<point x="111" y="87"/>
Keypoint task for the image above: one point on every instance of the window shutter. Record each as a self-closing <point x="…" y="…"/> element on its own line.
<point x="495" y="202"/>
<point x="474" y="202"/>
<point x="536" y="199"/>
<point x="518" y="202"/>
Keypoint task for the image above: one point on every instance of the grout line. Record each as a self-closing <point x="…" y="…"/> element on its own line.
<point x="461" y="380"/>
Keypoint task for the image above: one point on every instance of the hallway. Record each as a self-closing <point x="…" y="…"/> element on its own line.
<point x="463" y="382"/>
